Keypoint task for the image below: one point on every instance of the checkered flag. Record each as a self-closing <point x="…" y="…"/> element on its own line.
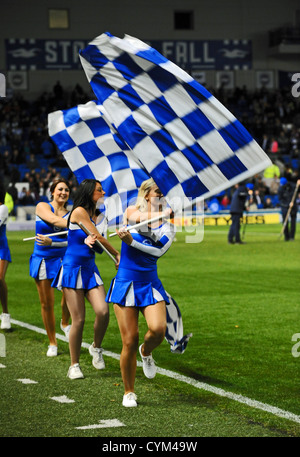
<point x="94" y="149"/>
<point x="190" y="144"/>
<point x="152" y="119"/>
<point x="174" y="333"/>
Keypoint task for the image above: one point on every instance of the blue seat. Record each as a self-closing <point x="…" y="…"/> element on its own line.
<point x="275" y="200"/>
<point x="287" y="159"/>
<point x="65" y="172"/>
<point x="43" y="198"/>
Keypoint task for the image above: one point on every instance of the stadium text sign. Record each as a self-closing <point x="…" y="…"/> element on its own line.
<point x="208" y="54"/>
<point x="41" y="54"/>
<point x="34" y="54"/>
<point x="225" y="219"/>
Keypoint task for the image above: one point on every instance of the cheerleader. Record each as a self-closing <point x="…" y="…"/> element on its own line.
<point x="47" y="256"/>
<point x="79" y="276"/>
<point x="5" y="259"/>
<point x="137" y="287"/>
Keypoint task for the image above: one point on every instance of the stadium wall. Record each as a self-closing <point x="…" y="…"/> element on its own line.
<point x="211" y="20"/>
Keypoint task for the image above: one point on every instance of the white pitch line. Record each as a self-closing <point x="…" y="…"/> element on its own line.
<point x="27" y="381"/>
<point x="109" y="423"/>
<point x="178" y="377"/>
<point x="63" y="399"/>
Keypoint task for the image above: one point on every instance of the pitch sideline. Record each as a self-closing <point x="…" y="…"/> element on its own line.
<point x="178" y="377"/>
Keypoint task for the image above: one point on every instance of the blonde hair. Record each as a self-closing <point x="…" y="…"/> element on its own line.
<point x="146" y="186"/>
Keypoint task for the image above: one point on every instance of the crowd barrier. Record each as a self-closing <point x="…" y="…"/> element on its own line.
<point x="25" y="213"/>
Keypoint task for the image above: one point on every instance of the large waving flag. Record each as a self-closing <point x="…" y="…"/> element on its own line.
<point x="151" y="119"/>
<point x="182" y="135"/>
<point x="93" y="149"/>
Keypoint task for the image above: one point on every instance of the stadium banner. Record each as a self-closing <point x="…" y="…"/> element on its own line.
<point x="36" y="54"/>
<point x="191" y="55"/>
<point x="207" y="54"/>
<point x="225" y="219"/>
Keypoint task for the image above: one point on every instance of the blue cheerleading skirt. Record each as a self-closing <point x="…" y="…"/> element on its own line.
<point x="136" y="288"/>
<point x="5" y="253"/>
<point x="72" y="276"/>
<point x="51" y="264"/>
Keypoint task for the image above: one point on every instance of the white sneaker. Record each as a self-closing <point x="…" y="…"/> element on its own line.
<point x="129" y="400"/>
<point x="96" y="353"/>
<point x="5" y="321"/>
<point x="75" y="372"/>
<point x="149" y="367"/>
<point x="52" y="351"/>
<point x="66" y="330"/>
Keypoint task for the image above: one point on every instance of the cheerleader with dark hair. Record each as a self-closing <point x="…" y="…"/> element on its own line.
<point x="79" y="276"/>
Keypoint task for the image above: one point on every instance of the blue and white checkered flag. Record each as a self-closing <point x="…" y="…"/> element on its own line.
<point x="93" y="149"/>
<point x="190" y="144"/>
<point x="174" y="333"/>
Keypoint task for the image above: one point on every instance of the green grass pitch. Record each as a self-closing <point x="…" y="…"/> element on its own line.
<point x="240" y="302"/>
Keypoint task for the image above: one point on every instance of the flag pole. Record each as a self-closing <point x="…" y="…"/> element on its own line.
<point x="289" y="210"/>
<point x="48" y="234"/>
<point x="244" y="225"/>
<point x="139" y="224"/>
<point x="86" y="230"/>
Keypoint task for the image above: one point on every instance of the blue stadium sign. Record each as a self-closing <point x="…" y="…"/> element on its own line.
<point x="35" y="54"/>
<point x="207" y="55"/>
<point x="32" y="54"/>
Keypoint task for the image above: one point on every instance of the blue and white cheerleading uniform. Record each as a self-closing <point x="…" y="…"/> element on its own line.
<point x="136" y="282"/>
<point x="46" y="260"/>
<point x="78" y="269"/>
<point x="4" y="248"/>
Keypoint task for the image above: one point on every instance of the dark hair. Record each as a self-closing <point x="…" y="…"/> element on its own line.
<point x="54" y="183"/>
<point x="83" y="196"/>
